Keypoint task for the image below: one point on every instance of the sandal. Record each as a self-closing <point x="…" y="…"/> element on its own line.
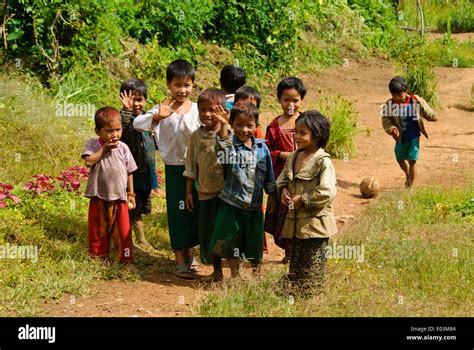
<point x="183" y="271"/>
<point x="212" y="278"/>
<point x="192" y="263"/>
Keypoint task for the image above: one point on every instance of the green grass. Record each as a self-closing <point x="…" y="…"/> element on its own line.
<point x="437" y="13"/>
<point x="418" y="262"/>
<point x="34" y="139"/>
<point x="59" y="230"/>
<point x="344" y="128"/>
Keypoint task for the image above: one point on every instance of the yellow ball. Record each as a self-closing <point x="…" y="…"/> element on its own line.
<point x="130" y="205"/>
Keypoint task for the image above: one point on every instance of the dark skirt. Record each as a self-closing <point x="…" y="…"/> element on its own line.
<point x="238" y="233"/>
<point x="307" y="265"/>
<point x="183" y="225"/>
<point x="274" y="225"/>
<point x="207" y="217"/>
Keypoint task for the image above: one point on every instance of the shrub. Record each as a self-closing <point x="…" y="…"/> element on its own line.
<point x="343" y="118"/>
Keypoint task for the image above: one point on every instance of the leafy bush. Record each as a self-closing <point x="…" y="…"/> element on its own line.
<point x="380" y="20"/>
<point x="416" y="66"/>
<point x="344" y="128"/>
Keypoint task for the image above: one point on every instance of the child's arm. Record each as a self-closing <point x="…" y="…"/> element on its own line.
<point x="325" y="193"/>
<point x="189" y="195"/>
<point x="144" y="122"/>
<point x="130" y="192"/>
<point x="190" y="171"/>
<point x="92" y="159"/>
<point x="282" y="185"/>
<point x="269" y="183"/>
<point x="387" y="121"/>
<point x="425" y="110"/>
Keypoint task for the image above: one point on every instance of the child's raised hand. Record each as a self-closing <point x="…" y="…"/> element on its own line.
<point x="166" y="108"/>
<point x="127" y="99"/>
<point x="221" y="114"/>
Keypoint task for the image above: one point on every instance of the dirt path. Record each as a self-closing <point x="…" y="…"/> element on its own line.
<point x="445" y="159"/>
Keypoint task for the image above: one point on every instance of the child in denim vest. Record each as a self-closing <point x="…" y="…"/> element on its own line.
<point x="238" y="231"/>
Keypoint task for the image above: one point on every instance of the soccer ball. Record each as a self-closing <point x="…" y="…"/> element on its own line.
<point x="369" y="187"/>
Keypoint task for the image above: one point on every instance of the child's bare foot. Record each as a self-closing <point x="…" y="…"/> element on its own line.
<point x="407" y="182"/>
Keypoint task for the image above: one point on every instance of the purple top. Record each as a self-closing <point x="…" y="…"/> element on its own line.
<point x="108" y="177"/>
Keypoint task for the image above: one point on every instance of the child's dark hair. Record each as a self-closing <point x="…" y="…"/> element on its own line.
<point x="180" y="69"/>
<point x="245" y="92"/>
<point x="291" y="83"/>
<point x="398" y="85"/>
<point x="246" y="108"/>
<point x="213" y="96"/>
<point x="135" y="85"/>
<point x="232" y="77"/>
<point x="318" y="124"/>
<point x="104" y="115"/>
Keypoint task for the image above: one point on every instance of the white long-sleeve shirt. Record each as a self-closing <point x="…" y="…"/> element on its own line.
<point x="172" y="134"/>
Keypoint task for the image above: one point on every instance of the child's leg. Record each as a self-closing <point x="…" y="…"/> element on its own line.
<point x="121" y="232"/>
<point x="217" y="266"/>
<point x="412" y="172"/>
<point x="234" y="264"/>
<point x="404" y="165"/>
<point x="256" y="268"/>
<point x="99" y="240"/>
<point x="180" y="256"/>
<point x="137" y="225"/>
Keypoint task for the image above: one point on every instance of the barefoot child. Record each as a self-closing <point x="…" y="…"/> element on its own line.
<point x="280" y="138"/>
<point x="203" y="168"/>
<point x="133" y="94"/>
<point x="110" y="187"/>
<point x="402" y="118"/>
<point x="238" y="231"/>
<point x="307" y="186"/>
<point x="174" y="120"/>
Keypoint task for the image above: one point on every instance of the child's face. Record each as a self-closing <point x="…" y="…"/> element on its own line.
<point x="290" y="102"/>
<point x="400" y="97"/>
<point x="252" y="100"/>
<point x="138" y="103"/>
<point x="205" y="115"/>
<point x="110" y="132"/>
<point x="304" y="137"/>
<point x="180" y="88"/>
<point x="244" y="127"/>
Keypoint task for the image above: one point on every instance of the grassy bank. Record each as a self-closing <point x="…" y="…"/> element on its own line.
<point x="417" y="262"/>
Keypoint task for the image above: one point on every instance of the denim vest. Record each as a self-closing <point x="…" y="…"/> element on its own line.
<point x="247" y="171"/>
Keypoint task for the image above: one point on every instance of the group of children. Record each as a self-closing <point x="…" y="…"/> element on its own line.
<point x="217" y="165"/>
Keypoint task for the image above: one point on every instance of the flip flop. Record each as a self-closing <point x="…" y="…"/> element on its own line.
<point x="183" y="271"/>
<point x="192" y="263"/>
